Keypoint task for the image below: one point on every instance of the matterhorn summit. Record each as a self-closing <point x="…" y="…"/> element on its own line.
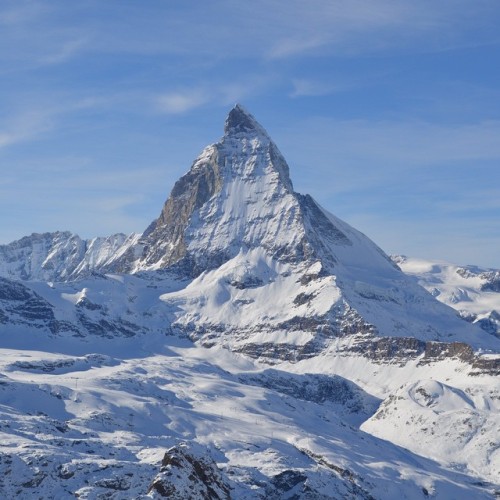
<point x="286" y="275"/>
<point x="237" y="195"/>
<point x="236" y="348"/>
<point x="264" y="270"/>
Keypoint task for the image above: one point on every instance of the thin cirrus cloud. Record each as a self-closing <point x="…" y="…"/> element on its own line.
<point x="34" y="119"/>
<point x="232" y="29"/>
<point x="181" y="101"/>
<point x="67" y="50"/>
<point x="225" y="94"/>
<point x="24" y="127"/>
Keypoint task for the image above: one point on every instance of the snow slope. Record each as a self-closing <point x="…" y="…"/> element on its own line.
<point x="455" y="427"/>
<point x="99" y="424"/>
<point x="473" y="291"/>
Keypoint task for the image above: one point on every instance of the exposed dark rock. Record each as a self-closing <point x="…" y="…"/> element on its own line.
<point x="65" y="472"/>
<point x="13" y="291"/>
<point x="440" y="350"/>
<point x="248" y="282"/>
<point x="303" y="298"/>
<point x="384" y="349"/>
<point x="107" y="327"/>
<point x="240" y="121"/>
<point x="314" y="388"/>
<point x="114" y="483"/>
<point x="35" y="481"/>
<point x="493" y="283"/>
<point x="321" y="223"/>
<point x="164" y="240"/>
<point x="350" y="479"/>
<point x="189" y="473"/>
<point x="486" y="366"/>
<point x="43" y="366"/>
<point x="288" y="484"/>
<point x="491" y="323"/>
<point x="280" y="352"/>
<point x="85" y="303"/>
<point x="21" y="305"/>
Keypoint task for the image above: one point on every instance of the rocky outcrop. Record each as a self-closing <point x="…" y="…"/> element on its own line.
<point x="402" y="350"/>
<point x="492" y="281"/>
<point x="21" y="306"/>
<point x="164" y="240"/>
<point x="316" y="388"/>
<point x="188" y="472"/>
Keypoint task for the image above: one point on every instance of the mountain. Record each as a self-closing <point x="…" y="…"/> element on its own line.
<point x="473" y="291"/>
<point x="248" y="344"/>
<point x="60" y="256"/>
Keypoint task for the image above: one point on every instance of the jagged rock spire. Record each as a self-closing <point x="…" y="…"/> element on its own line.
<point x="239" y="120"/>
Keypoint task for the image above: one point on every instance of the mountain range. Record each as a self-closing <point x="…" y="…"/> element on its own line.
<point x="248" y="344"/>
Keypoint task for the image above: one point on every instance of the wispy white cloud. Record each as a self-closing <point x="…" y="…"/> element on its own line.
<point x="213" y="92"/>
<point x="24" y="126"/>
<point x="262" y="28"/>
<point x="32" y="120"/>
<point x="295" y="46"/>
<point x="323" y="27"/>
<point x="181" y="101"/>
<point x="65" y="51"/>
<point x="397" y="145"/>
<point x="21" y="12"/>
<point x="468" y="203"/>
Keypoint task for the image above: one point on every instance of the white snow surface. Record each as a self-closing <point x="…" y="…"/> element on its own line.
<point x="100" y="423"/>
<point x="256" y="205"/>
<point x="121" y="402"/>
<point x="465" y="288"/>
<point x="453" y="426"/>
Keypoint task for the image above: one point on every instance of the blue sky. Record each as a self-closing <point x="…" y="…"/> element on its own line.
<point x="388" y="112"/>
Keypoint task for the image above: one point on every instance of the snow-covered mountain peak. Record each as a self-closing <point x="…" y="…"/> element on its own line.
<point x="60" y="256"/>
<point x="249" y="150"/>
<point x="237" y="195"/>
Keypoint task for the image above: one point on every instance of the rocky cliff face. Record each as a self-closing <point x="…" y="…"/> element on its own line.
<point x="189" y="472"/>
<point x="21" y="307"/>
